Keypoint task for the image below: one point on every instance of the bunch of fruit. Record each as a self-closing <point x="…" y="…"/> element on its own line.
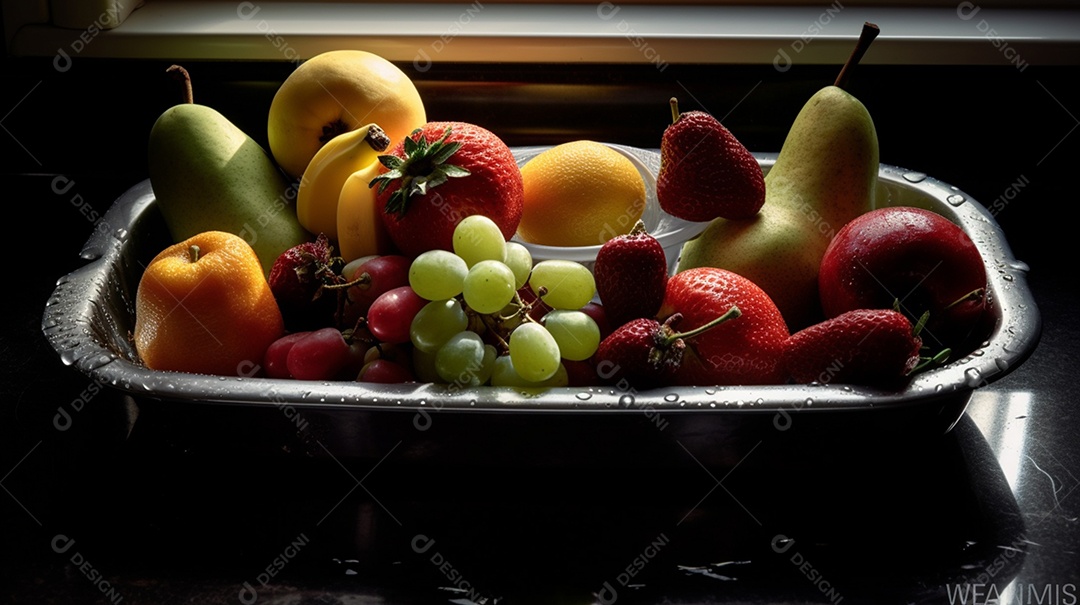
<point x="398" y="263"/>
<point x="480" y="314"/>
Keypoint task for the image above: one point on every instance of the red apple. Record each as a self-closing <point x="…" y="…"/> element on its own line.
<point x="916" y="257"/>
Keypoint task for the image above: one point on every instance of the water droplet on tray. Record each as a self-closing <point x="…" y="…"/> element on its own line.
<point x="972" y="377"/>
<point x="956" y="199"/>
<point x="584" y="396"/>
<point x="914" y="177"/>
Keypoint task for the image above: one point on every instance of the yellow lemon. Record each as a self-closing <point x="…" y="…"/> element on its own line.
<point x="580" y="193"/>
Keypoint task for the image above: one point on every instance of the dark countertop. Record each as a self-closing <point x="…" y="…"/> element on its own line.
<point x="106" y="502"/>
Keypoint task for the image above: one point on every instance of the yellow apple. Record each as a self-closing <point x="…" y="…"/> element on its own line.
<point x="336" y="92"/>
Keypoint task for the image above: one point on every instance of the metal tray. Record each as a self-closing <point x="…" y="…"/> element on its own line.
<point x="89" y="317"/>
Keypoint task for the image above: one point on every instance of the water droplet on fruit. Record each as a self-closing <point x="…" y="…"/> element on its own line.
<point x="584" y="396"/>
<point x="972" y="377"/>
<point x="914" y="177"/>
<point x="956" y="199"/>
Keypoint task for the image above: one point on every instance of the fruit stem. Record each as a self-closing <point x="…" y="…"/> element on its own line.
<point x="973" y="295"/>
<point x="193" y="253"/>
<point x="732" y="313"/>
<point x="869" y="32"/>
<point x="674" y="109"/>
<point x="184" y="77"/>
<point x="377" y="138"/>
<point x="364" y="279"/>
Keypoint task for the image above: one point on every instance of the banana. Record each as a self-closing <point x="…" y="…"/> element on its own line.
<point x="360" y="228"/>
<point x="320" y="186"/>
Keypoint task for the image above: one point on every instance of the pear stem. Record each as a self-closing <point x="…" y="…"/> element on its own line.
<point x="184" y="77"/>
<point x="869" y="32"/>
<point x="193" y="253"/>
<point x="674" y="109"/>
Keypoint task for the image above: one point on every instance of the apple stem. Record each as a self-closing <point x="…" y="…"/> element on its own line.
<point x="184" y="77"/>
<point x="674" y="109"/>
<point x="732" y="313"/>
<point x="869" y="32"/>
<point x="193" y="253"/>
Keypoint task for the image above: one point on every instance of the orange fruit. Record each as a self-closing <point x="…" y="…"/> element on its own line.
<point x="203" y="305"/>
<point x="580" y="193"/>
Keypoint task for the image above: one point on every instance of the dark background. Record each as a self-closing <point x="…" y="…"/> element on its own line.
<point x="169" y="518"/>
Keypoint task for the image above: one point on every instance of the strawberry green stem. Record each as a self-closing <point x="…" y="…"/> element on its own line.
<point x="667" y="339"/>
<point x="674" y="109"/>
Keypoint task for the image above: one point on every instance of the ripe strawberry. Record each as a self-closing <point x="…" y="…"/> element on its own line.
<point x="631" y="274"/>
<point x="647" y="353"/>
<point x="297" y="279"/>
<point x="442" y="173"/>
<point x="705" y="172"/>
<point x="872" y="347"/>
<point x="636" y="352"/>
<point x="746" y="351"/>
<point x="731" y="333"/>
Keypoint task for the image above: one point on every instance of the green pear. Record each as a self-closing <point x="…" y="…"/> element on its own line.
<point x="208" y="175"/>
<point x="824" y="176"/>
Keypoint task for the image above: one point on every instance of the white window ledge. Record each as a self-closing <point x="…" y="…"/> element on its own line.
<point x="601" y="32"/>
